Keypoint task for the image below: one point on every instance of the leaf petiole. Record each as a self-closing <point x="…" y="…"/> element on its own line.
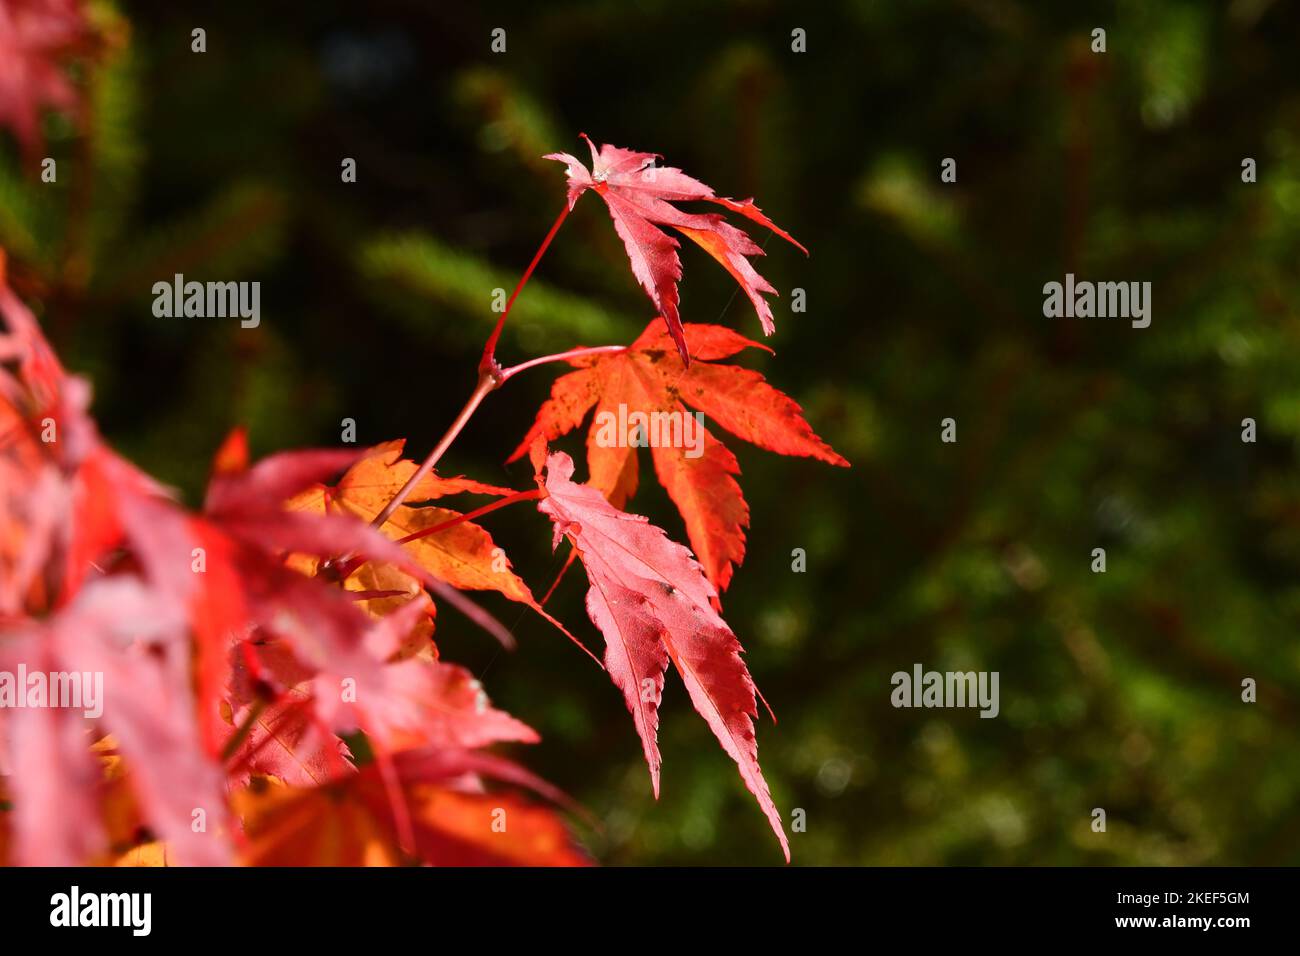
<point x="489" y="350"/>
<point x="469" y="515"/>
<point x="509" y="373"/>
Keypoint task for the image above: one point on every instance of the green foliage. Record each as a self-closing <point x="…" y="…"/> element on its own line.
<point x="417" y="277"/>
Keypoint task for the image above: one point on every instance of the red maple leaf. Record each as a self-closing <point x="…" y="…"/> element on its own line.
<point x="652" y="604"/>
<point x="639" y="195"/>
<point x="649" y="378"/>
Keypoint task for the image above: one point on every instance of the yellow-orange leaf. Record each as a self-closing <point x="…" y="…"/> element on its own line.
<point x="351" y="823"/>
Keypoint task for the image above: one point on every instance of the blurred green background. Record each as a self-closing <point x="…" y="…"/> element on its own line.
<point x="1118" y="690"/>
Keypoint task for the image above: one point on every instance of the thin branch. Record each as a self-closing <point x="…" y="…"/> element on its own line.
<point x="490" y="377"/>
<point x="486" y="383"/>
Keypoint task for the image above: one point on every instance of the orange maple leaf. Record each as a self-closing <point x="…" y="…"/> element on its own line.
<point x="650" y="378"/>
<point x="428" y="814"/>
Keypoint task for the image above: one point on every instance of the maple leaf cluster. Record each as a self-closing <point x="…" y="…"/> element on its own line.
<point x="248" y="647"/>
<point x="233" y="668"/>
